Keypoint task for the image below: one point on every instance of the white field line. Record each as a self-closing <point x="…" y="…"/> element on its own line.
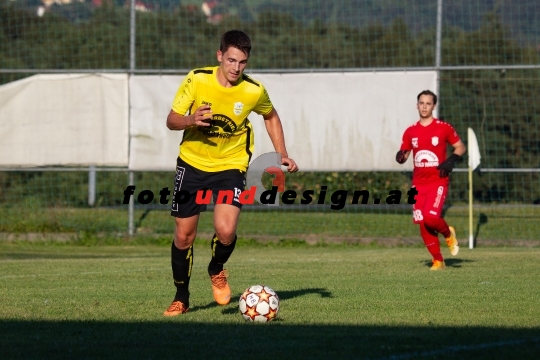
<point x="238" y="265"/>
<point x="83" y="273"/>
<point x="113" y="272"/>
<point x="458" y="348"/>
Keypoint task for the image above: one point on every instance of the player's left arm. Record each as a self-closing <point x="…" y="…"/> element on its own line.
<point x="459" y="148"/>
<point x="448" y="165"/>
<point x="275" y="131"/>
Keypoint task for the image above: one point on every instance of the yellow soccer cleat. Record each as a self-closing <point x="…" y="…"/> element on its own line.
<point x="220" y="288"/>
<point x="176" y="308"/>
<point x="452" y="242"/>
<point x="437" y="265"/>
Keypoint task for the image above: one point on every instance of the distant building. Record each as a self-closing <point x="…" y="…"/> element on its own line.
<point x="42" y="9"/>
<point x="139" y="5"/>
<point x="213" y="11"/>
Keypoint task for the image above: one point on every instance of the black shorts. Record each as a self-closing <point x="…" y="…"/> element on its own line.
<point x="189" y="180"/>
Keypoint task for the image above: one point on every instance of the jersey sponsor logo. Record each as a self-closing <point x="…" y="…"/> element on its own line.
<point x="438" y="199"/>
<point x="415" y="142"/>
<point x="435" y="140"/>
<point x="221" y="126"/>
<point x="238" y="107"/>
<point x="425" y="158"/>
<point x="180" y="171"/>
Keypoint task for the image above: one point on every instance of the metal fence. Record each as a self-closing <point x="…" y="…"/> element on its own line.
<point x="487" y="55"/>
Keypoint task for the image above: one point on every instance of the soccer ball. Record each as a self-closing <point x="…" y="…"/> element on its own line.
<point x="259" y="303"/>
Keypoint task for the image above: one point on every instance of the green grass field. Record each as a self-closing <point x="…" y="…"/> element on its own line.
<point x="496" y="223"/>
<point x="337" y="301"/>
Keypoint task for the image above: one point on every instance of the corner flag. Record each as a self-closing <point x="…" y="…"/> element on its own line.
<point x="473" y="149"/>
<point x="474" y="161"/>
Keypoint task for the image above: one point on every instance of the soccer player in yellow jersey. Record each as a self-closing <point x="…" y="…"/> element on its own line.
<point x="212" y="106"/>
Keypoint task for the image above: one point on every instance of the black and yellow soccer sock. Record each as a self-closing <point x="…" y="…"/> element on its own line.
<point x="220" y="255"/>
<point x="182" y="263"/>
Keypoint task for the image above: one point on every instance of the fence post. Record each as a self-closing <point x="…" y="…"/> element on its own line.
<point x="131" y="207"/>
<point x="92" y="185"/>
<point x="132" y="64"/>
<point x="438" y="47"/>
<point x="132" y="34"/>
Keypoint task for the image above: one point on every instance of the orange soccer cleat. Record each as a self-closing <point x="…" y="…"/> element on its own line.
<point x="452" y="242"/>
<point x="176" y="308"/>
<point x="220" y="288"/>
<point x="437" y="265"/>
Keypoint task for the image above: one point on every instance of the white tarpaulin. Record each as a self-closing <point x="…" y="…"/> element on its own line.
<point x="345" y="121"/>
<point x="65" y="119"/>
<point x="332" y="121"/>
<point x="153" y="146"/>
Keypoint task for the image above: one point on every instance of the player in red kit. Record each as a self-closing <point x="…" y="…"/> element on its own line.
<point x="428" y="139"/>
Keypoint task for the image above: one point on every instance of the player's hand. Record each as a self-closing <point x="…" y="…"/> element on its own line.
<point x="448" y="165"/>
<point x="400" y="156"/>
<point x="290" y="163"/>
<point x="202" y="116"/>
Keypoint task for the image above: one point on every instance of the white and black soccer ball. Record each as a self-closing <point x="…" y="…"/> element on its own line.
<point x="259" y="303"/>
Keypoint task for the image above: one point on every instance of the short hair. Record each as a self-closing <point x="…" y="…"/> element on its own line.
<point x="428" y="92"/>
<point x="237" y="39"/>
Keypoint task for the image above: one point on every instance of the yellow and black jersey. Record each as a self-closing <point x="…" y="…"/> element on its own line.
<point x="228" y="142"/>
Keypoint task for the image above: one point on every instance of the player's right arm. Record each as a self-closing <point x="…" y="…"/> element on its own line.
<point x="183" y="101"/>
<point x="405" y="150"/>
<point x="200" y="117"/>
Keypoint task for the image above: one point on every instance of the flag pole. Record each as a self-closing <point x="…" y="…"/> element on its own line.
<point x="474" y="161"/>
<point x="471" y="236"/>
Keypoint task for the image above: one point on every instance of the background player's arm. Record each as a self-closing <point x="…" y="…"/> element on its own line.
<point x="200" y="117"/>
<point x="459" y="148"/>
<point x="275" y="131"/>
<point x="448" y="165"/>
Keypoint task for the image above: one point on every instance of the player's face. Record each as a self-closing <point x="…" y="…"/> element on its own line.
<point x="232" y="63"/>
<point x="425" y="106"/>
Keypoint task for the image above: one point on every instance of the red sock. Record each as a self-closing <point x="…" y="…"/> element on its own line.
<point x="432" y="241"/>
<point x="437" y="224"/>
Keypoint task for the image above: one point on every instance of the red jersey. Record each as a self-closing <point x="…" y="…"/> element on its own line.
<point x="428" y="145"/>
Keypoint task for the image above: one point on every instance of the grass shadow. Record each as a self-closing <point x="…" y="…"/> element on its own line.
<point x="167" y="338"/>
<point x="285" y="295"/>
<point x="141" y="219"/>
<point x="450" y="262"/>
<point x="483" y="219"/>
<point x="232" y="307"/>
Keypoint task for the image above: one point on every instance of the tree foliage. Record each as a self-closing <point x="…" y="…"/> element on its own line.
<point x="500" y="105"/>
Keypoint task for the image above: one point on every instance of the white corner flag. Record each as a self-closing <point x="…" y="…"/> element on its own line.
<point x="474" y="161"/>
<point x="473" y="149"/>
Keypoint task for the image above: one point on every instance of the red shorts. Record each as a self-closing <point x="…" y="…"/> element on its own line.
<point x="429" y="201"/>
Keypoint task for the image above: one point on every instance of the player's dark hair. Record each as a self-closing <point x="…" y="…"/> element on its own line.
<point x="428" y="92"/>
<point x="237" y="39"/>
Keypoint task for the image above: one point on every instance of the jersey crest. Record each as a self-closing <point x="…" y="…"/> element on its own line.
<point x="238" y="107"/>
<point x="435" y="140"/>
